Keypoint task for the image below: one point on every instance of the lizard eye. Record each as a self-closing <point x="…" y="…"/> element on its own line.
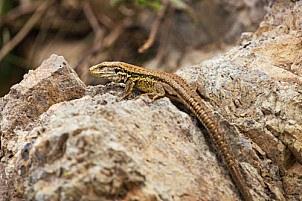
<point x="117" y="70"/>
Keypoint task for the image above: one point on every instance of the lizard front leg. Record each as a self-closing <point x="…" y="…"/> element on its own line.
<point x="128" y="89"/>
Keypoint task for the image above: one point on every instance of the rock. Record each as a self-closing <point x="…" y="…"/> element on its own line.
<point x="258" y="87"/>
<point x="81" y="143"/>
<point x="53" y="82"/>
<point x="99" y="149"/>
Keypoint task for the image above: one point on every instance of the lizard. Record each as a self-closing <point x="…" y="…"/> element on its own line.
<point x="157" y="84"/>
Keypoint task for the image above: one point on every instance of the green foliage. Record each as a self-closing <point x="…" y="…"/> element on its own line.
<point x="7" y="5"/>
<point x="154" y="4"/>
<point x="158" y="4"/>
<point x="181" y="5"/>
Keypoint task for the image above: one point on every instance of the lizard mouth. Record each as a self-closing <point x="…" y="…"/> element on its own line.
<point x="94" y="70"/>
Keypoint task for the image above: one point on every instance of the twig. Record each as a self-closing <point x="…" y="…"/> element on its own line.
<point x="154" y="29"/>
<point x="25" y="29"/>
<point x="19" y="11"/>
<point x="105" y="20"/>
<point x="98" y="42"/>
<point x="90" y="16"/>
<point x="97" y="45"/>
<point x="164" y="37"/>
<point x="112" y="37"/>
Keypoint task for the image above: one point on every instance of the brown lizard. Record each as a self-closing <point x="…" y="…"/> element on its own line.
<point x="158" y="84"/>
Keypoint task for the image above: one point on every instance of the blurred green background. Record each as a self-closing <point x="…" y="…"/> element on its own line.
<point x="160" y="34"/>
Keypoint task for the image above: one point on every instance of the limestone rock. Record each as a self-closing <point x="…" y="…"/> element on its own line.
<point x="258" y="86"/>
<point x="62" y="140"/>
<point x="96" y="148"/>
<point x="53" y="82"/>
<point x="99" y="149"/>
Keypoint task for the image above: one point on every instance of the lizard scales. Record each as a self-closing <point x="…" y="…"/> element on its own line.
<point x="157" y="84"/>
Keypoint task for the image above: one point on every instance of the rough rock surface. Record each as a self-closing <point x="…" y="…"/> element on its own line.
<point x="96" y="148"/>
<point x="129" y="150"/>
<point x="53" y="82"/>
<point x="258" y="85"/>
<point x="61" y="140"/>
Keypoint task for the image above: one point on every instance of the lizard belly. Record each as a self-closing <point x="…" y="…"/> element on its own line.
<point x="145" y="86"/>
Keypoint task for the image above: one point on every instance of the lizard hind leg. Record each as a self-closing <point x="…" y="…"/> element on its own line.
<point x="172" y="94"/>
<point x="201" y="92"/>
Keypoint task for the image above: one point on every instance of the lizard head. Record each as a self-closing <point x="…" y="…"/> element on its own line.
<point x="112" y="71"/>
